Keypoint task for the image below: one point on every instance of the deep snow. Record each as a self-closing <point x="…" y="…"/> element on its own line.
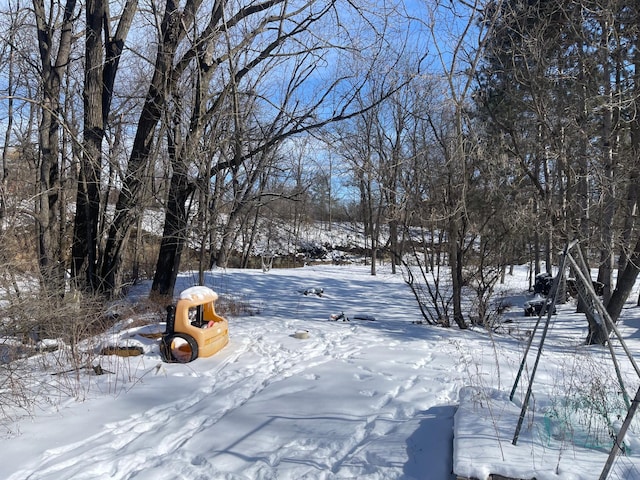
<point x="376" y="398"/>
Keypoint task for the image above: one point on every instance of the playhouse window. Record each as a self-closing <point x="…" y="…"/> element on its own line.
<point x="196" y="316"/>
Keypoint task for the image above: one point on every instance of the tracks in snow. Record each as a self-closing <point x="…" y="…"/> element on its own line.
<point x="125" y="447"/>
<point x="255" y="362"/>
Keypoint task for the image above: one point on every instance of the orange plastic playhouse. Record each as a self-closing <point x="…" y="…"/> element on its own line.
<point x="194" y="329"/>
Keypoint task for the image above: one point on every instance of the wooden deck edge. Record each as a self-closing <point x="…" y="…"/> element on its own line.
<point x="493" y="477"/>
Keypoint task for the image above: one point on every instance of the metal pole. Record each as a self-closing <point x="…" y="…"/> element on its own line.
<point x="556" y="284"/>
<point x="603" y="313"/>
<point x="618" y="442"/>
<point x="526" y="352"/>
<point x="609" y="322"/>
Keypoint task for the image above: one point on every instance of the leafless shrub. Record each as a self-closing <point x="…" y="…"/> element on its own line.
<point x="431" y="290"/>
<point x="44" y="334"/>
<point x="236" y="307"/>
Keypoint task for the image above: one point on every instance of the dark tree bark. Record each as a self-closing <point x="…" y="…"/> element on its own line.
<point x="631" y="205"/>
<point x="48" y="183"/>
<point x="4" y="172"/>
<point x="129" y="204"/>
<point x="173" y="236"/>
<point x="456" y="263"/>
<point x="101" y="66"/>
<point x="88" y="195"/>
<point x="626" y="280"/>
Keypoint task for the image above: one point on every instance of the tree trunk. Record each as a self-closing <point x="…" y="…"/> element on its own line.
<point x="173" y="236"/>
<point x="129" y="204"/>
<point x="631" y="207"/>
<point x="229" y="234"/>
<point x="100" y="73"/>
<point x="4" y="173"/>
<point x="394" y="245"/>
<point x="455" y="264"/>
<point x="88" y="196"/>
<point x="598" y="333"/>
<point x="605" y="271"/>
<point x="48" y="182"/>
<point x="626" y="281"/>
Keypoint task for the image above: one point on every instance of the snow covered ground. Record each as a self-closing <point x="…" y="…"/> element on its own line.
<point x="376" y="398"/>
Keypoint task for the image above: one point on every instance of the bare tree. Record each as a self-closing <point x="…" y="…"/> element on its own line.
<point x="292" y="45"/>
<point x="55" y="32"/>
<point x="372" y="144"/>
<point x="356" y="146"/>
<point x="8" y="57"/>
<point x="103" y="50"/>
<point x="629" y="264"/>
<point x="129" y="207"/>
<point x="457" y="146"/>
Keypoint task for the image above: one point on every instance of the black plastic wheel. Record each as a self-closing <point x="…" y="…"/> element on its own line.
<point x="178" y="348"/>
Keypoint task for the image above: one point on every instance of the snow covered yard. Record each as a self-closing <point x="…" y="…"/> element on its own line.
<point x="372" y="399"/>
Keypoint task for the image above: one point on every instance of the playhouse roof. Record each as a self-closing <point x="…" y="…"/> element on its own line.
<point x="198" y="294"/>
